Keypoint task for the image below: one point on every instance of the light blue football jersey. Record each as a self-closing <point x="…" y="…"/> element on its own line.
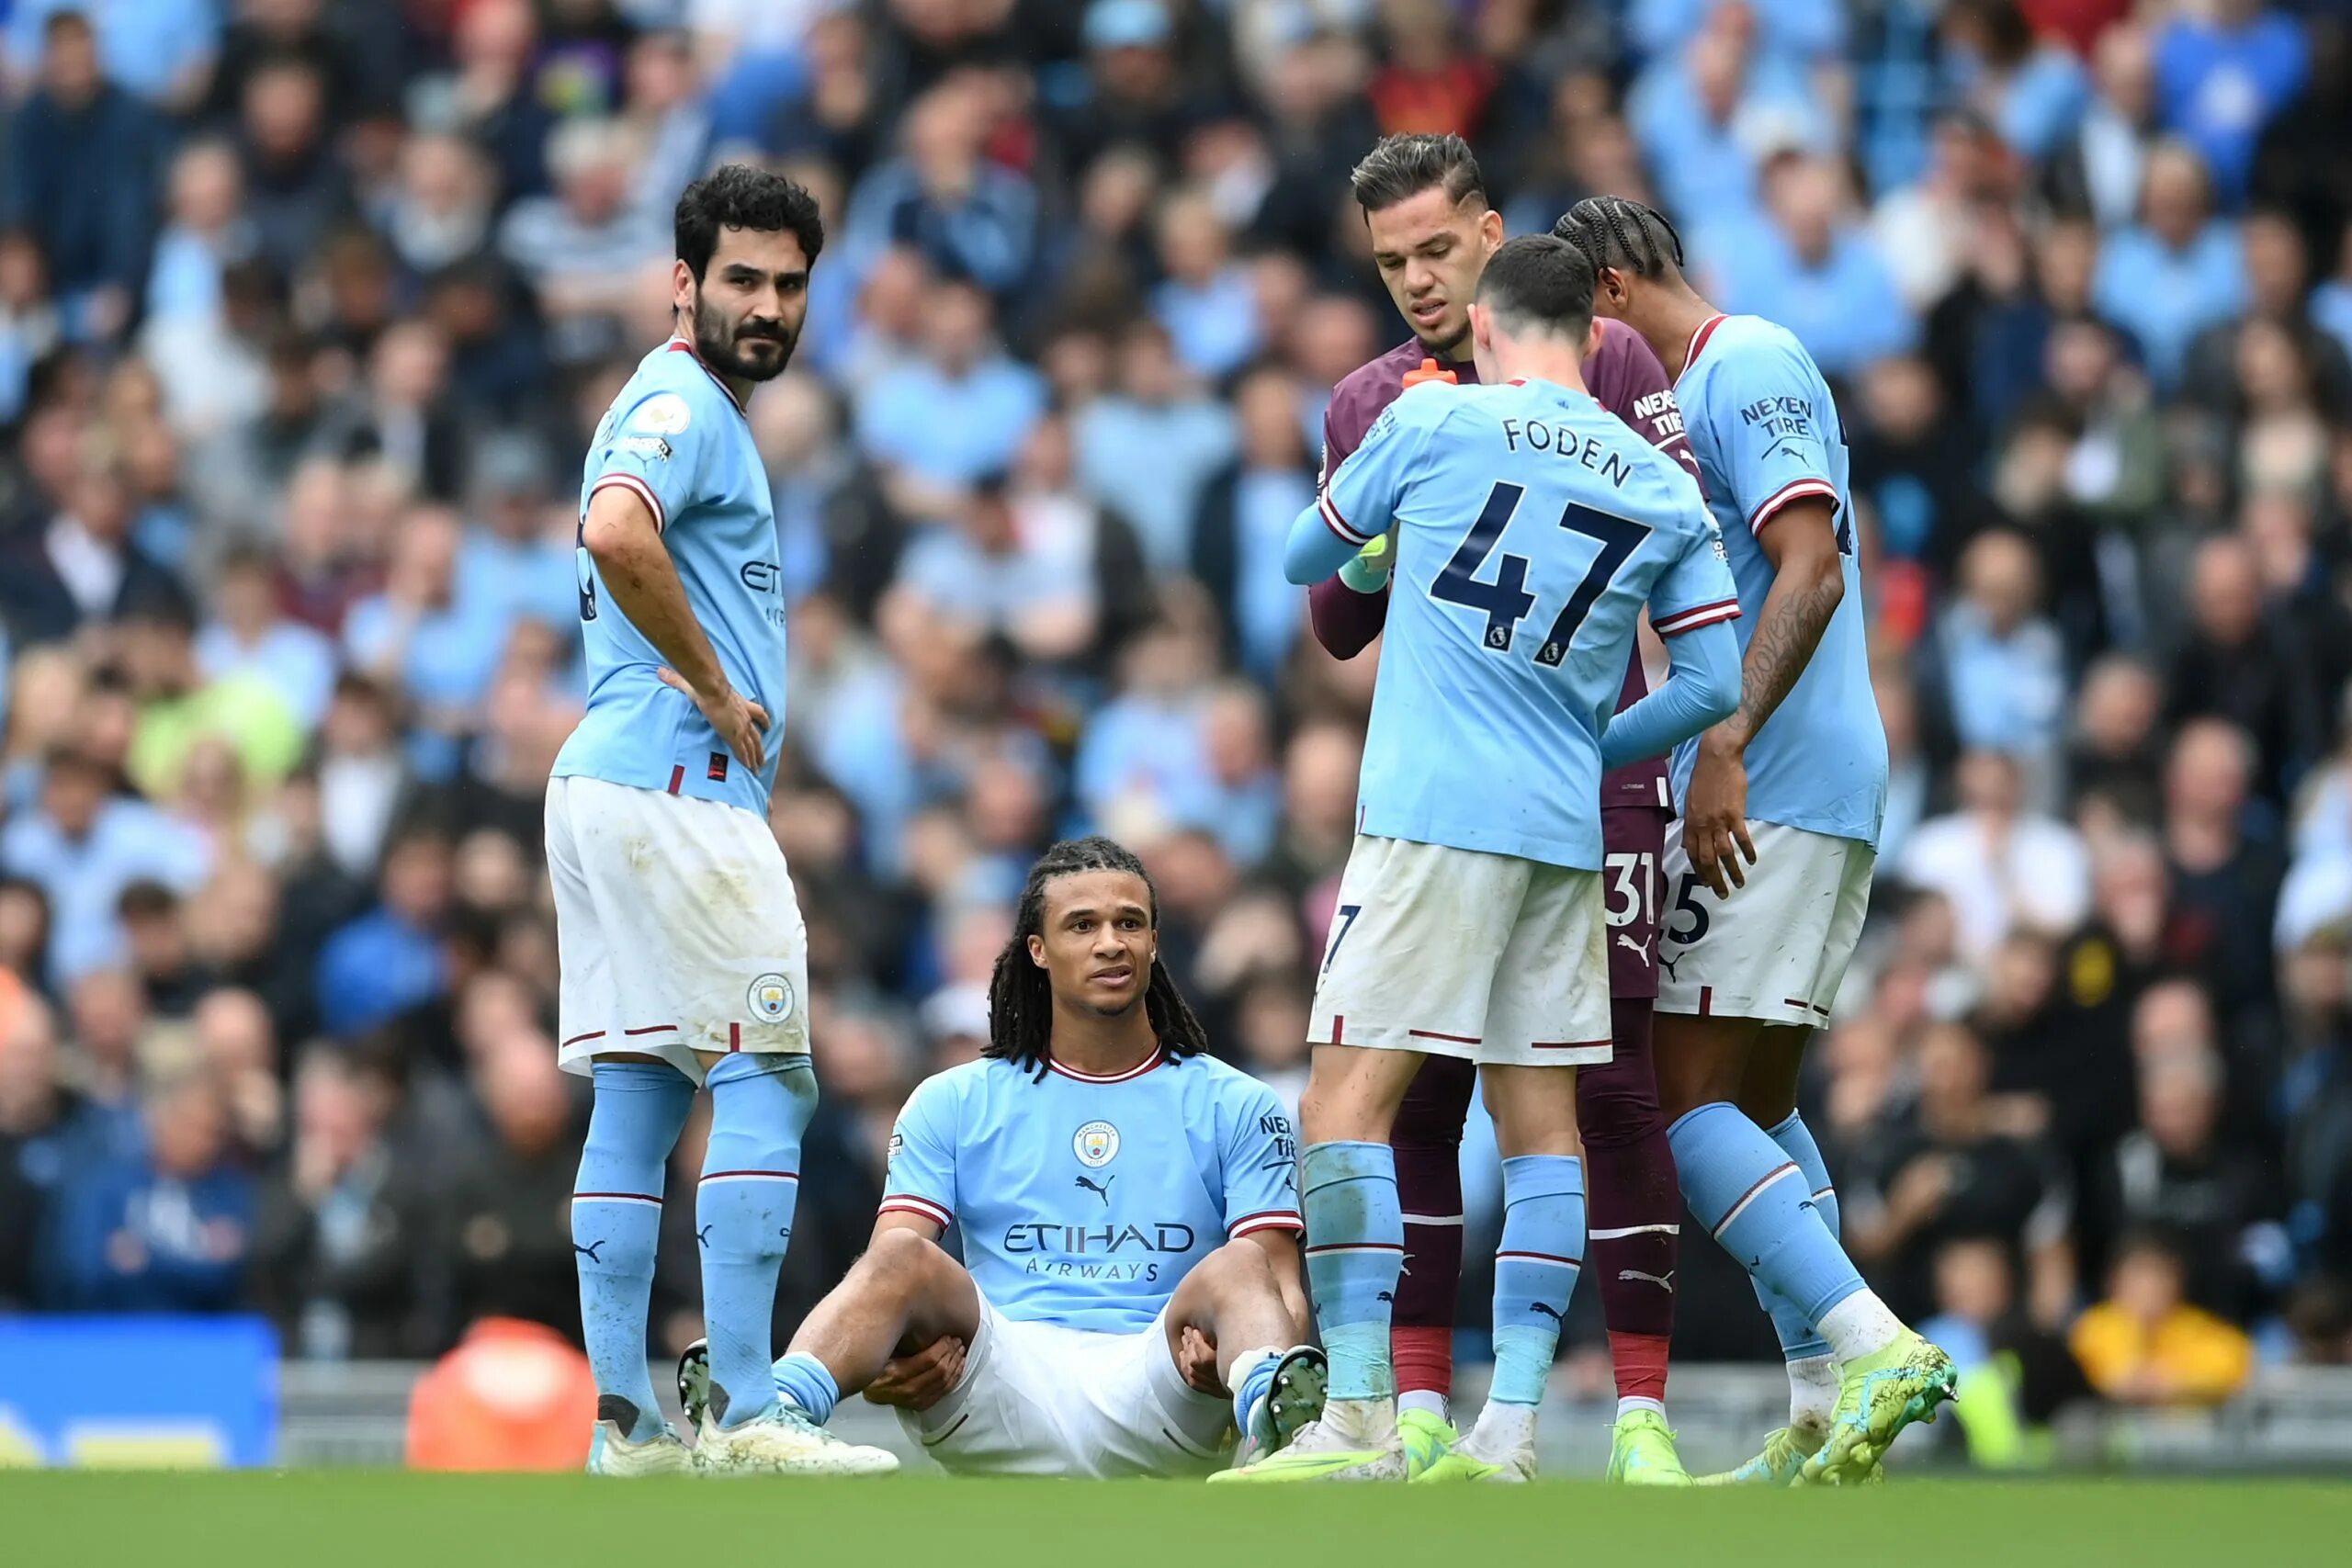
<point x="1532" y="528"/>
<point x="1766" y="432"/>
<point x="1084" y="1201"/>
<point x="677" y="439"/>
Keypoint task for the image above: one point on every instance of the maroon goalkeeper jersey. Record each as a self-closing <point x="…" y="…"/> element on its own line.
<point x="1628" y="380"/>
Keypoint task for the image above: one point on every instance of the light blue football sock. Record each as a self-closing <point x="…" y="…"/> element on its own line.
<point x="1355" y="1251"/>
<point x="1800" y="1340"/>
<point x="750" y="1178"/>
<point x="804" y="1383"/>
<point x="1753" y="1198"/>
<point x="1256" y="1382"/>
<point x="1535" y="1270"/>
<point x="617" y="1227"/>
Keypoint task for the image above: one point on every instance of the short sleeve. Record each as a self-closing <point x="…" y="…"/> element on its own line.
<point x="1359" y="501"/>
<point x="1696" y="589"/>
<point x="921" y="1179"/>
<point x="1261" y="1165"/>
<point x="1776" y="432"/>
<point x="652" y="450"/>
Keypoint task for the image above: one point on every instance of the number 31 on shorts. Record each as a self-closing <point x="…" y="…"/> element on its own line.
<point x="1633" y="889"/>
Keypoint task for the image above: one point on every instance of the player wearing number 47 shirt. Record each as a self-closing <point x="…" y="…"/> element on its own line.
<point x="1129" y="1208"/>
<point x="1768" y="915"/>
<point x="1432" y="231"/>
<point x="1530" y="529"/>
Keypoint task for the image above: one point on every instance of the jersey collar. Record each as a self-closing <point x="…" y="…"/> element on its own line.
<point x="1146" y="1064"/>
<point x="1698" y="336"/>
<point x="680" y="345"/>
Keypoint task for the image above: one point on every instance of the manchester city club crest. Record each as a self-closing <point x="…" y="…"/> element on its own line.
<point x="1096" y="1146"/>
<point x="770" y="999"/>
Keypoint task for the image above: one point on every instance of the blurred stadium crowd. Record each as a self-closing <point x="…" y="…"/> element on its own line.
<point x="308" y="306"/>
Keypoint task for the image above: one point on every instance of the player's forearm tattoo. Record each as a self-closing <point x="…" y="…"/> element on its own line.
<point x="1787" y="629"/>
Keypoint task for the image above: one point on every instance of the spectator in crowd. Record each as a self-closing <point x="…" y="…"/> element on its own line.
<point x="2001" y="868"/>
<point x="81" y="565"/>
<point x="2225" y="869"/>
<point x="2179" y="270"/>
<point x="388" y="960"/>
<point x="250" y="637"/>
<point x="167" y="1232"/>
<point x="1245" y="517"/>
<point x="943" y="198"/>
<point x="1811" y="269"/>
<point x="2226" y="70"/>
<point x="2100" y="174"/>
<point x="1956" y="1173"/>
<point x="1158" y="420"/>
<point x="2235" y="664"/>
<point x="1208" y="303"/>
<point x="509" y="1261"/>
<point x="2001" y="662"/>
<point x="2180" y="1172"/>
<point x="584" y="247"/>
<point x="83" y="163"/>
<point x="83" y="847"/>
<point x="938" y="419"/>
<point x="2145" y="1345"/>
<point x="345" y="1224"/>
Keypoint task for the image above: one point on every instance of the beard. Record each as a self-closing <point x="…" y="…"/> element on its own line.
<point x="755" y="353"/>
<point x="1443" y="348"/>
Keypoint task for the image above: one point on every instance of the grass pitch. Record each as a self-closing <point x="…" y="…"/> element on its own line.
<point x="354" y="1519"/>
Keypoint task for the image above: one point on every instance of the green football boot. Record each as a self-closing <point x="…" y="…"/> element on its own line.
<point x="1879" y="1395"/>
<point x="1641" y="1452"/>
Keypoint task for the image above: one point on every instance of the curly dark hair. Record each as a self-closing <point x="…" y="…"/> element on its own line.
<point x="1618" y="232"/>
<point x="1021" y="1003"/>
<point x="737" y="195"/>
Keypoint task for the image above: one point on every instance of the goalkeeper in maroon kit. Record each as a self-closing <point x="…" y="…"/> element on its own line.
<point x="1432" y="229"/>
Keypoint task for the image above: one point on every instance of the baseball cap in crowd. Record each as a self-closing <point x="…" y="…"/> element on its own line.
<point x="1126" y="24"/>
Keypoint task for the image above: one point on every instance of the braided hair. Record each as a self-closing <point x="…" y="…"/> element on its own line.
<point x="1618" y="232"/>
<point x="1021" y="1002"/>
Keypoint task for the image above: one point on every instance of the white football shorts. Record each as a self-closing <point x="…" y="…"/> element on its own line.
<point x="1039" y="1399"/>
<point x="1777" y="949"/>
<point x="1457" y="953"/>
<point x="676" y="927"/>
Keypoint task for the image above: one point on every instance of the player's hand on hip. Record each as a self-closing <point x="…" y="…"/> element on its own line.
<point x="1714" y="821"/>
<point x="739" y="721"/>
<point x="921" y="1380"/>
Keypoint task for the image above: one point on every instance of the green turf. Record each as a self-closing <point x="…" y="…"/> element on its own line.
<point x="352" y="1519"/>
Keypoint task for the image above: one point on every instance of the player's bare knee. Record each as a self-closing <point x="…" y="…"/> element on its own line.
<point x="1353" y="1094"/>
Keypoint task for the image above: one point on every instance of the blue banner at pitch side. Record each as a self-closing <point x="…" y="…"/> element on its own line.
<point x="119" y="1391"/>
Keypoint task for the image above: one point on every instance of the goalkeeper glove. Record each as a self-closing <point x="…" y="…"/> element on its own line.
<point x="1367" y="570"/>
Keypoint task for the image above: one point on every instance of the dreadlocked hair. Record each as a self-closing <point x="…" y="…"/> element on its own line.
<point x="1021" y="1002"/>
<point x="1618" y="232"/>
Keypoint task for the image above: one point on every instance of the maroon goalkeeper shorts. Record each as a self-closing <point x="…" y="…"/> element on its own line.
<point x="1632" y="841"/>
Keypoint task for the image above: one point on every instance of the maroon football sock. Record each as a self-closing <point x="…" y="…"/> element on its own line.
<point x="1633" y="1204"/>
<point x="1427" y="1138"/>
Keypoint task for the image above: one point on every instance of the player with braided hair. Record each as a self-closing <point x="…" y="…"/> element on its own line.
<point x="1769" y="873"/>
<point x="1021" y="999"/>
<point x="1130" y="1289"/>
